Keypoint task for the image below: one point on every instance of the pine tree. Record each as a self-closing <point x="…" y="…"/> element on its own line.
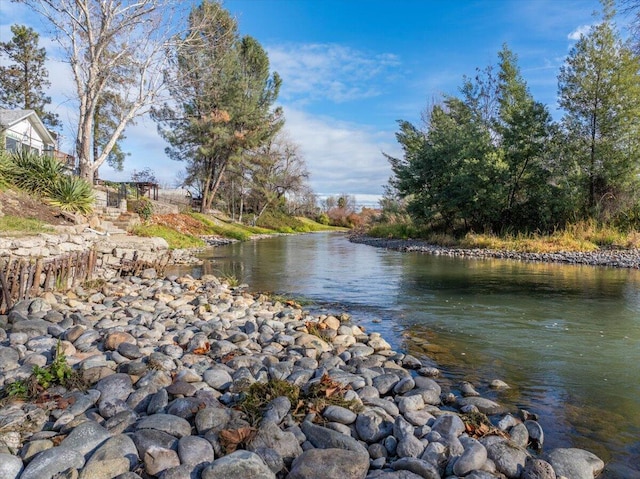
<point x="23" y="81"/>
<point x="524" y="126"/>
<point x="599" y="89"/>
<point x="224" y="94"/>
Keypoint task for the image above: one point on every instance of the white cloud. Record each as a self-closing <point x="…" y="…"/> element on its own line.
<point x="578" y="32"/>
<point x="329" y="71"/>
<point x="342" y="157"/>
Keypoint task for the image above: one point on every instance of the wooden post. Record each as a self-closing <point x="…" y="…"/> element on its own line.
<point x="35" y="288"/>
<point x="6" y="294"/>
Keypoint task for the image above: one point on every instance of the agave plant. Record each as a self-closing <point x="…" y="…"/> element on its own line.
<point x="72" y="193"/>
<point x="35" y="173"/>
<point x="6" y="169"/>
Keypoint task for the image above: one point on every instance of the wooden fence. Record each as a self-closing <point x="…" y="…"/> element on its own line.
<point x="22" y="279"/>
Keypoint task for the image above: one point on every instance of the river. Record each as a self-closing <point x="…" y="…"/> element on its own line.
<point x="565" y="338"/>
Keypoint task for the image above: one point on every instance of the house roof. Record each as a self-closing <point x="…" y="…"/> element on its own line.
<point x="8" y="118"/>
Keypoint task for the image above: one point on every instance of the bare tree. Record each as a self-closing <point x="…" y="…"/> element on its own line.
<point x="105" y="42"/>
<point x="632" y="9"/>
<point x="278" y="169"/>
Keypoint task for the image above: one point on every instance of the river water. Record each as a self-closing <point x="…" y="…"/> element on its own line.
<point x="565" y="338"/>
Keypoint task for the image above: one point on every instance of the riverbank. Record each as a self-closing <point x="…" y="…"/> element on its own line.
<point x="170" y="363"/>
<point x="614" y="258"/>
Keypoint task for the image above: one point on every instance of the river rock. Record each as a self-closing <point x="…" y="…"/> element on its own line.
<point x="448" y="425"/>
<point x="10" y="466"/>
<point x="145" y="439"/>
<point x="422" y="468"/>
<point x="194" y="450"/>
<point x="339" y="414"/>
<point x="329" y="464"/>
<point x="536" y="434"/>
<point x="508" y="458"/>
<point x="85" y="438"/>
<point x="270" y="436"/>
<point x="158" y="459"/>
<point x="574" y="463"/>
<point x="276" y="410"/>
<point x="51" y="462"/>
<point x="325" y="438"/>
<point x="114" y="387"/>
<point x="537" y="469"/>
<point x="473" y="457"/>
<point x="485" y="406"/>
<point x="373" y="425"/>
<point x="118" y="454"/>
<point x="238" y="465"/>
<point x="173" y="425"/>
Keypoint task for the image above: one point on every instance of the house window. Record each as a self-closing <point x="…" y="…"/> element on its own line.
<point x="12" y="144"/>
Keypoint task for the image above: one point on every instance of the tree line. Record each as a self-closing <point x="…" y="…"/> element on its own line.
<point x="492" y="159"/>
<point x="210" y="90"/>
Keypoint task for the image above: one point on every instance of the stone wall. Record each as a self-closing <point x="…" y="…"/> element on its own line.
<point x="111" y="250"/>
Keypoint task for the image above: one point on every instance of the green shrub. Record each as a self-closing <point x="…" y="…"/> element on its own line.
<point x="323" y="219"/>
<point x="394" y="230"/>
<point x="144" y="208"/>
<point x="72" y="193"/>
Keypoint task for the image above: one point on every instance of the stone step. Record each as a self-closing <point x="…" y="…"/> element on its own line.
<point x="113" y="228"/>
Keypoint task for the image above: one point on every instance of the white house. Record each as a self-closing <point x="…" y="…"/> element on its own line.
<point x="21" y="129"/>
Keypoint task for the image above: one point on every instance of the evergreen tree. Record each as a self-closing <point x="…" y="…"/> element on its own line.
<point x="223" y="93"/>
<point x="599" y="89"/>
<point x="23" y="81"/>
<point x="525" y="130"/>
<point x="104" y="123"/>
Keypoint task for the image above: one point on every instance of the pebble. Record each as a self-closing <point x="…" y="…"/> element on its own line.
<point x="168" y="359"/>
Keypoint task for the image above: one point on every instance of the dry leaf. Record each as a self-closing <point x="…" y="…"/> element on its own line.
<point x="230" y="439"/>
<point x="330" y="392"/>
<point x="62" y="403"/>
<point x="58" y="439"/>
<point x="203" y="350"/>
<point x="227" y="357"/>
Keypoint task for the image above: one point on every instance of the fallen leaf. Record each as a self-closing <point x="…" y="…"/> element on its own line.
<point x="230" y="439"/>
<point x="203" y="350"/>
<point x="227" y="357"/>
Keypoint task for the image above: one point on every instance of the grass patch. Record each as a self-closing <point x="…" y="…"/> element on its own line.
<point x="175" y="239"/>
<point x="231" y="279"/>
<point x="321" y="394"/>
<point x="582" y="236"/>
<point x="215" y="226"/>
<point x="42" y="378"/>
<point x="281" y="223"/>
<point x="290" y="301"/>
<point x="312" y="225"/>
<point x="554" y="243"/>
<point x="27" y="226"/>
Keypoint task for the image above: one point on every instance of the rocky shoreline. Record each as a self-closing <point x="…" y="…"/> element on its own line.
<point x="613" y="258"/>
<point x="170" y="365"/>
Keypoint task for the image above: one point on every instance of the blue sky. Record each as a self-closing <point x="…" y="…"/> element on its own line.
<point x="352" y="68"/>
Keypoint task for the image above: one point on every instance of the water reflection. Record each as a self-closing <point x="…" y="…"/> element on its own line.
<point x="567" y="338"/>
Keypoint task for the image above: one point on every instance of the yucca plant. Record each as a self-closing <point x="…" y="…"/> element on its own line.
<point x="35" y="173"/>
<point x="6" y="167"/>
<point x="72" y="193"/>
